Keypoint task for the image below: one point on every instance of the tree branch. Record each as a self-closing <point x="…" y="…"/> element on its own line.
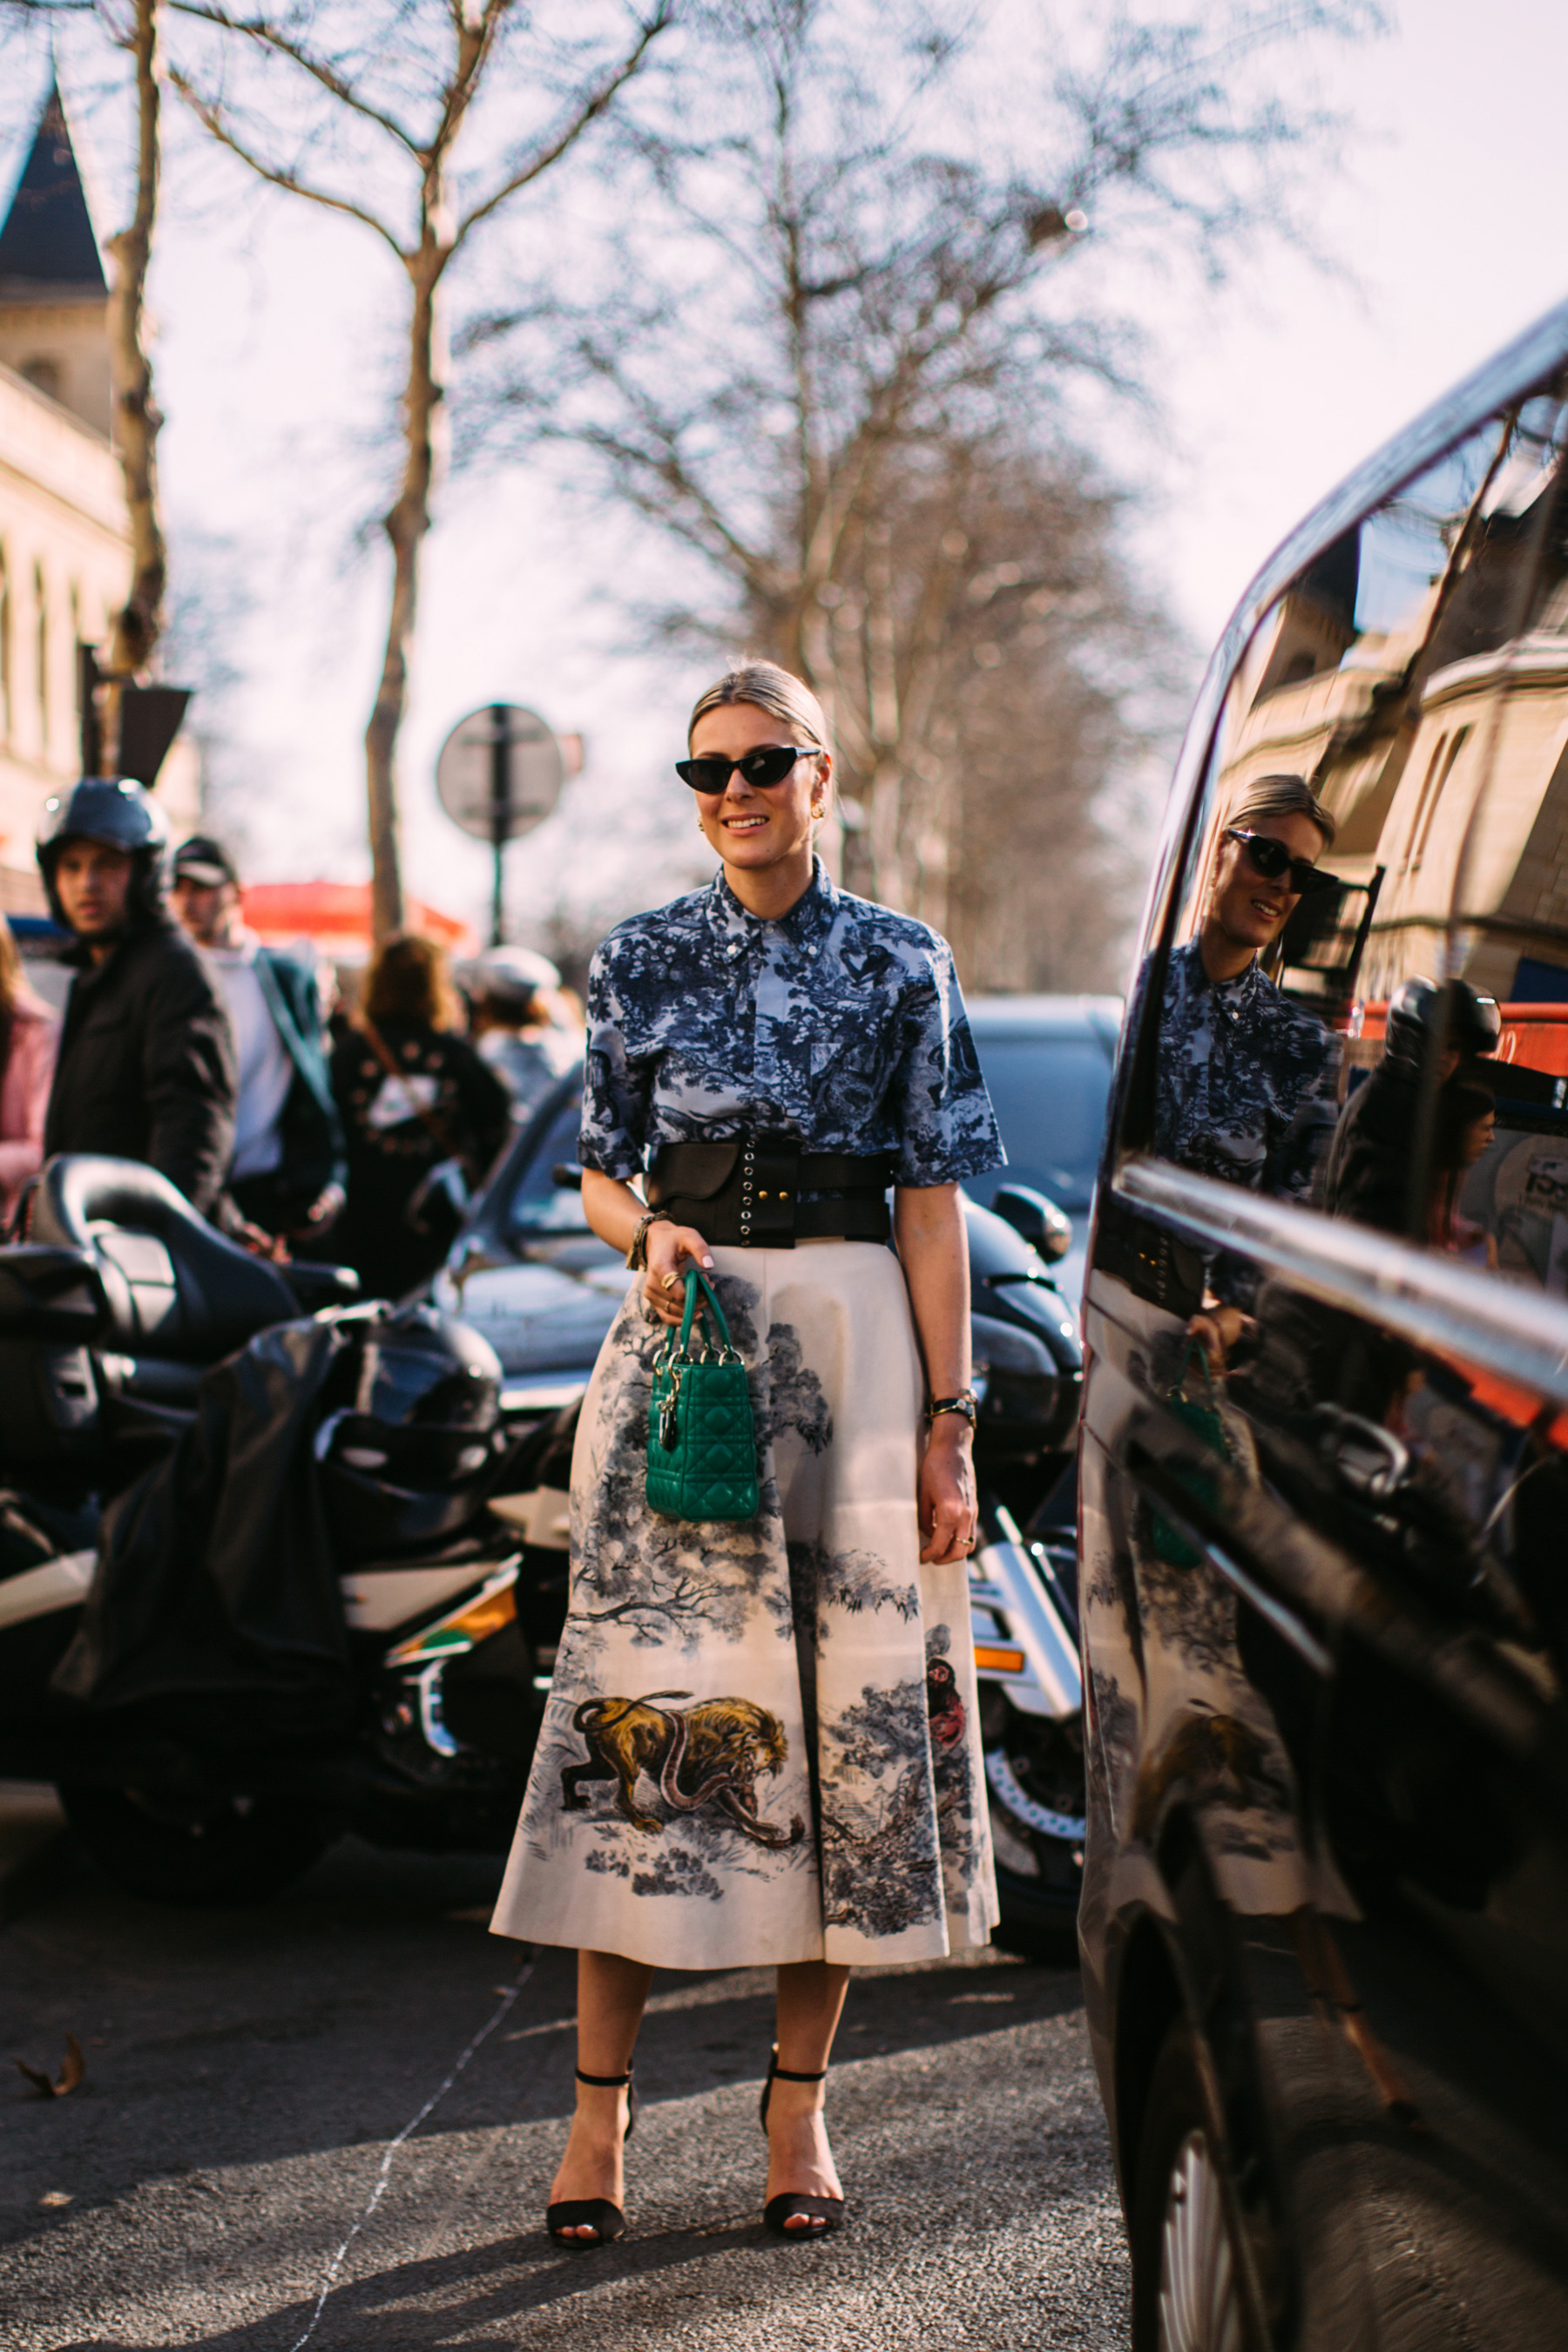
<point x="598" y="99"/>
<point x="209" y="113"/>
<point x="266" y="35"/>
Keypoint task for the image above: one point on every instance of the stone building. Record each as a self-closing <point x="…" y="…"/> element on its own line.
<point x="64" y="550"/>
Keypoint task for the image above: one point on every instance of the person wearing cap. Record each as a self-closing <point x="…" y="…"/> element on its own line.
<point x="146" y="1068"/>
<point x="287" y="1172"/>
<point x="511" y="993"/>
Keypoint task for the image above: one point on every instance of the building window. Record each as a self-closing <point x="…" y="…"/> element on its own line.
<point x="41" y="606"/>
<point x="43" y="374"/>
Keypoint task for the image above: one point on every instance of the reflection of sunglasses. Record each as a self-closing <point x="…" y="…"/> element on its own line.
<point x="1272" y="859"/>
<point x="771" y="765"/>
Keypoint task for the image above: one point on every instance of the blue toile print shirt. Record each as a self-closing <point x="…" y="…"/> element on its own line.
<point x="1246" y="1082"/>
<point x="841" y="1024"/>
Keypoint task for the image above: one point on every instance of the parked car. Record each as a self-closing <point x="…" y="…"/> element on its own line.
<point x="1322" y="1573"/>
<point x="1048" y="1063"/>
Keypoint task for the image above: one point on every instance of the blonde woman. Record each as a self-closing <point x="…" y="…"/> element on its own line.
<point x="761" y="1747"/>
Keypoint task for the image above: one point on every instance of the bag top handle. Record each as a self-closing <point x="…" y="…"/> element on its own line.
<point x="711" y="1306"/>
<point x="1194" y="1348"/>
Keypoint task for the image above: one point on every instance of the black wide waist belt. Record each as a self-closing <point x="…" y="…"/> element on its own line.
<point x="746" y="1191"/>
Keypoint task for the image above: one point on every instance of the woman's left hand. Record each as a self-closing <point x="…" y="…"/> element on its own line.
<point x="949" y="1511"/>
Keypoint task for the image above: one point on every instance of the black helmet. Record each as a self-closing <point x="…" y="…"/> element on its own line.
<point x="405" y="1459"/>
<point x="117" y="813"/>
<point x="1472" y="1021"/>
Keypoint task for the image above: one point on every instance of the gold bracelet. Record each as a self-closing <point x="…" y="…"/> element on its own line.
<point x="636" y="1256"/>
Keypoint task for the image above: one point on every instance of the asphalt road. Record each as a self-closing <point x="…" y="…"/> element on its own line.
<point x="252" y="2076"/>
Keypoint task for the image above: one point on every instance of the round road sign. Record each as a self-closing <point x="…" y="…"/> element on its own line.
<point x="500" y="772"/>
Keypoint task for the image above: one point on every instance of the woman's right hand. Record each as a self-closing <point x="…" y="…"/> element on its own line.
<point x="670" y="1250"/>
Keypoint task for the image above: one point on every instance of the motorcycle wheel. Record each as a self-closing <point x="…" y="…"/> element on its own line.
<point x="240" y="1850"/>
<point x="1032" y="1762"/>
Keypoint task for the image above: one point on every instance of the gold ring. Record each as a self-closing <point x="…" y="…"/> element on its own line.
<point x="669" y="1281"/>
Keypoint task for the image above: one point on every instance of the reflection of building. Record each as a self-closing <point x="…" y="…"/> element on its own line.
<point x="1457" y="712"/>
<point x="65" y="553"/>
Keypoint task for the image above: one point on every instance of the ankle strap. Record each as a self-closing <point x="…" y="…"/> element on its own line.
<point x="782" y="2074"/>
<point x="606" y="2082"/>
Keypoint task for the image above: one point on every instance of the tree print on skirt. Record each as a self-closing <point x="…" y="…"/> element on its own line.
<point x="762" y="1740"/>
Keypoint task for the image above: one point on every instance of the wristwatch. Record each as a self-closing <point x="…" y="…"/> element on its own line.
<point x="964" y="1406"/>
<point x="636" y="1256"/>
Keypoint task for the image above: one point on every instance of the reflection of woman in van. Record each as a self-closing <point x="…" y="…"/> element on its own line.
<point x="1466" y="1123"/>
<point x="1245" y="1082"/>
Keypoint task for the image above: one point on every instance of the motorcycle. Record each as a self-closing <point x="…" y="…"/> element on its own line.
<point x="447" y="1525"/>
<point x="116" y="1318"/>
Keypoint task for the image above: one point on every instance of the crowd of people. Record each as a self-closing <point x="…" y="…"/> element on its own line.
<point x="299" y="1124"/>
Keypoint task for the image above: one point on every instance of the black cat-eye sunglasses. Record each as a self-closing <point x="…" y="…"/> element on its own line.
<point x="770" y="765"/>
<point x="1273" y="860"/>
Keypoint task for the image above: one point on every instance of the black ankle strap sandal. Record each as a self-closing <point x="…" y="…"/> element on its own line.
<point x="823" y="2213"/>
<point x="594" y="2212"/>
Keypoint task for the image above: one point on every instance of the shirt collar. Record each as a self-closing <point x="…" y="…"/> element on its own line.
<point x="808" y="920"/>
<point x="1237" y="995"/>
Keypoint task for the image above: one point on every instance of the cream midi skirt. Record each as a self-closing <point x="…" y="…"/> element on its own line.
<point x="762" y="1743"/>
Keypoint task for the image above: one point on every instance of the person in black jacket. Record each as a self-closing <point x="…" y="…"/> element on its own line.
<point x="423" y="1116"/>
<point x="146" y="1067"/>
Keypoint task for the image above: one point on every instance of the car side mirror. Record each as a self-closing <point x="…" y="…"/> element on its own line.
<point x="1035" y="1219"/>
<point x="565" y="1178"/>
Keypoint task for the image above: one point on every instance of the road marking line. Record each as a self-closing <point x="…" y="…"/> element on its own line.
<point x="385" y="2175"/>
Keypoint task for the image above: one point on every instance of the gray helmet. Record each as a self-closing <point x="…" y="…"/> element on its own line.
<point x="118" y="813"/>
<point x="1470" y="1021"/>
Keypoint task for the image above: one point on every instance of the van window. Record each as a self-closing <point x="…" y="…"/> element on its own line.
<point x="1413" y="681"/>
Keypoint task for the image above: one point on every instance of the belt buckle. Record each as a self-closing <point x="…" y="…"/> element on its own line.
<point x="769" y="1190"/>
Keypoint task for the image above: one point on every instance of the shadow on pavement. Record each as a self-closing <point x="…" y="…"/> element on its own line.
<point x="323" y="2021"/>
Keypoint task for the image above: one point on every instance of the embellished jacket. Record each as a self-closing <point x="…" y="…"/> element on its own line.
<point x="841" y="1024"/>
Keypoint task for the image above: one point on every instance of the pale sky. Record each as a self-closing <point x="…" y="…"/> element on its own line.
<point x="1449" y="215"/>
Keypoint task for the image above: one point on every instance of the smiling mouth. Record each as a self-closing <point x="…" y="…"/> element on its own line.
<point x="742" y="824"/>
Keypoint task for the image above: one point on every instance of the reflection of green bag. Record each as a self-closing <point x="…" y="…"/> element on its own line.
<point x="1207" y="1422"/>
<point x="701" y="1444"/>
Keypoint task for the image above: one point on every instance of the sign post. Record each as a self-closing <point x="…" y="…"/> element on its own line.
<point x="499" y="775"/>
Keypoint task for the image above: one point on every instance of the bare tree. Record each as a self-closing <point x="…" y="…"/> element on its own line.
<point x="373" y="105"/>
<point x="1047" y="679"/>
<point x="830" y="314"/>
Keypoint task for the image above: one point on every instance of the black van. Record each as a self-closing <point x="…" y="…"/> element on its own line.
<point x="1323" y="1550"/>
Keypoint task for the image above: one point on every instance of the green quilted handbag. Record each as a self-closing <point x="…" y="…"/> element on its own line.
<point x="701" y="1444"/>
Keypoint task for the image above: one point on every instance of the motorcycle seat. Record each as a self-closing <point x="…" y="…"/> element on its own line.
<point x="175" y="1287"/>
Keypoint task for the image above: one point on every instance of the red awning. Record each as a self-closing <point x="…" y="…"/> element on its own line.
<point x="336" y="916"/>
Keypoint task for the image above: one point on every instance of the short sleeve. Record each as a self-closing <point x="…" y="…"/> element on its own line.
<point x="946" y="1124"/>
<point x="615" y="1097"/>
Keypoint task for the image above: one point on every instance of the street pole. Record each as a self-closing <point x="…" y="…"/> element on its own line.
<point x="501" y="811"/>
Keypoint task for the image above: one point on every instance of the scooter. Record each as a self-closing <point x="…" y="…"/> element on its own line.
<point x="111" y="1316"/>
